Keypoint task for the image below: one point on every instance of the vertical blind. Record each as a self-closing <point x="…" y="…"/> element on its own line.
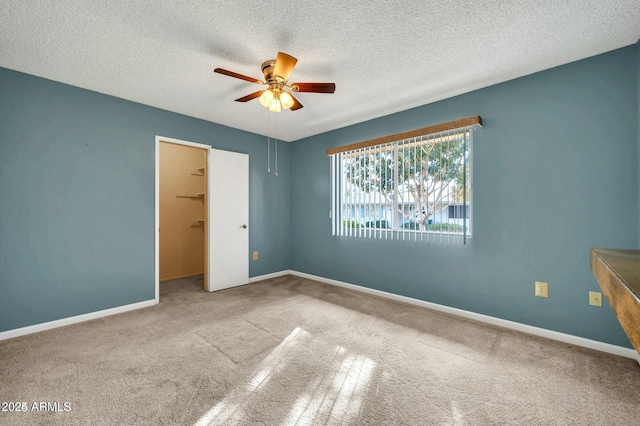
<point x="415" y="188"/>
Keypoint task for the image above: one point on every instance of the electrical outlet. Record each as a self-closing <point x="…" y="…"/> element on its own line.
<point x="542" y="289"/>
<point x="255" y="255"/>
<point x="595" y="298"/>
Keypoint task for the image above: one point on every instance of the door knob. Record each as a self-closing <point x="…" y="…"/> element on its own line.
<point x="244" y="227"/>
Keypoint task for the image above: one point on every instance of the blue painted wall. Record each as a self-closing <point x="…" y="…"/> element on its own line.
<point x="555" y="173"/>
<point x="77" y="198"/>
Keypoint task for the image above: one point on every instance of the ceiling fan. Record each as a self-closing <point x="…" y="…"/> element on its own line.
<point x="276" y="74"/>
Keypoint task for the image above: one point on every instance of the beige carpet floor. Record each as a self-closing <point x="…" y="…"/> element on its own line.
<point x="297" y="352"/>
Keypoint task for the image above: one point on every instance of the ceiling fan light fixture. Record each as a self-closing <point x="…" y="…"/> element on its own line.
<point x="276" y="74"/>
<point x="286" y="100"/>
<point x="266" y="99"/>
<point x="275" y="105"/>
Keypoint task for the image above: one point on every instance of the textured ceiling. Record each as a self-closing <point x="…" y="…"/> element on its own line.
<point x="384" y="56"/>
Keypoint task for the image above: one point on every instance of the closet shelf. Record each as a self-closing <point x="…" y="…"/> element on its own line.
<point x="198" y="172"/>
<point x="198" y="195"/>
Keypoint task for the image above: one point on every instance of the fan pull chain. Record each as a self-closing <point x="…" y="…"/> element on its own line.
<point x="268" y="141"/>
<point x="276" y="120"/>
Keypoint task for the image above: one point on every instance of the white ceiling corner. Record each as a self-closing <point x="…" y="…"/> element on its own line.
<point x="384" y="56"/>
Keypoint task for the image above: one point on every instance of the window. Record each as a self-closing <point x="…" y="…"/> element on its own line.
<point x="458" y="211"/>
<point x="416" y="187"/>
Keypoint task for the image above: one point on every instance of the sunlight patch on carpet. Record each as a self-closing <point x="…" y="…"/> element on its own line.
<point x="230" y="409"/>
<point x="334" y="396"/>
<point x="335" y="400"/>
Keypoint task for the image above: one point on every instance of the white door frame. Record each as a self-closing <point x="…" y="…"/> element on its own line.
<point x="157" y="205"/>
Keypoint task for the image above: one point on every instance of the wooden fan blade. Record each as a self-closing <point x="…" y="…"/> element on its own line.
<point x="314" y="87"/>
<point x="236" y="75"/>
<point x="284" y="66"/>
<point x="251" y="96"/>
<point x="296" y="104"/>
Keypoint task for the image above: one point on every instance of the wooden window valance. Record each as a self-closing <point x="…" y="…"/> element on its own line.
<point x="436" y="128"/>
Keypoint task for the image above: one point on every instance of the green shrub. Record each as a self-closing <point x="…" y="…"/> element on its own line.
<point x="350" y="223"/>
<point x="439" y="227"/>
<point x="377" y="224"/>
<point x="445" y="227"/>
<point x="411" y="225"/>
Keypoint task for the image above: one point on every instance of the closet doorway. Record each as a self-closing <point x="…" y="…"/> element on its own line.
<point x="188" y="201"/>
<point x="183" y="209"/>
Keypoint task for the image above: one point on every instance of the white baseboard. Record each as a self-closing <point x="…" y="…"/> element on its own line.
<point x="74" y="320"/>
<point x="269" y="276"/>
<point x="549" y="334"/>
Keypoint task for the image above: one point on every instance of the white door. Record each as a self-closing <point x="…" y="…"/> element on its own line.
<point x="228" y="179"/>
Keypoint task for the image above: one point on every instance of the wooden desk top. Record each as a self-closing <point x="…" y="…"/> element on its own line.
<point x="618" y="274"/>
<point x="625" y="264"/>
